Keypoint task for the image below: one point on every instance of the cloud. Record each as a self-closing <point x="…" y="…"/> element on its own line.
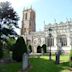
<point x="20" y="3"/>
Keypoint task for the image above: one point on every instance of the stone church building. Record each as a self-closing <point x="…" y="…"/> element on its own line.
<point x="61" y="33"/>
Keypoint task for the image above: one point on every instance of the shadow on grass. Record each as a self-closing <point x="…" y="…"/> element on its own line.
<point x="12" y="67"/>
<point x="66" y="64"/>
<point x="42" y="65"/>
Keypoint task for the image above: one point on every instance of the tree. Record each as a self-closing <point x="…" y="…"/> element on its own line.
<point x="71" y="58"/>
<point x="44" y="48"/>
<point x="8" y="20"/>
<point x="19" y="49"/>
<point x="71" y="55"/>
<point x="39" y="49"/>
<point x="10" y="42"/>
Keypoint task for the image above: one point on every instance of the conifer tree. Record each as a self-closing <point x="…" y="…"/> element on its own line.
<point x="8" y="20"/>
<point x="19" y="49"/>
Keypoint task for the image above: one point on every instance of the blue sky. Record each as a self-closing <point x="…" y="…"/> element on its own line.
<point x="49" y="10"/>
<point x="46" y="10"/>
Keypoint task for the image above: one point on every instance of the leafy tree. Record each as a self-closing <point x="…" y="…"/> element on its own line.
<point x="71" y="55"/>
<point x="19" y="49"/>
<point x="10" y="42"/>
<point x="71" y="58"/>
<point x="44" y="48"/>
<point x="8" y="20"/>
<point x="39" y="49"/>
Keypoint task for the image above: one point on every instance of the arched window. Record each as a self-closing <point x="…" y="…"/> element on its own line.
<point x="63" y="40"/>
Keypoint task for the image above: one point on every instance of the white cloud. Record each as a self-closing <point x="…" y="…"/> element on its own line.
<point x="20" y="3"/>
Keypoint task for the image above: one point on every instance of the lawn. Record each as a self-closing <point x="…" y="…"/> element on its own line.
<point x="40" y="64"/>
<point x="12" y="67"/>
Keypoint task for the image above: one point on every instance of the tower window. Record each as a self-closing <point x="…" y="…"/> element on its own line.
<point x="26" y="16"/>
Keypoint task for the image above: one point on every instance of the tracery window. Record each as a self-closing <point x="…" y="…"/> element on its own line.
<point x="63" y="40"/>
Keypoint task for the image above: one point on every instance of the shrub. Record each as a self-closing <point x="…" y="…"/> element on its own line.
<point x="10" y="42"/>
<point x="1" y="50"/>
<point x="71" y="58"/>
<point x="19" y="49"/>
<point x="71" y="55"/>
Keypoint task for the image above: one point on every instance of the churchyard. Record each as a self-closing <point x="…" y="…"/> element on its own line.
<point x="40" y="64"/>
<point x="15" y="52"/>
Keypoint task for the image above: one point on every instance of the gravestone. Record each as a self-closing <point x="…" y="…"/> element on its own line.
<point x="42" y="51"/>
<point x="25" y="62"/>
<point x="10" y="54"/>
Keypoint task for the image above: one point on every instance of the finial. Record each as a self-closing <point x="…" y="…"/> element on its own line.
<point x="66" y="19"/>
<point x="70" y="20"/>
<point x="31" y="7"/>
<point x="23" y="8"/>
<point x="55" y="20"/>
<point x="44" y="22"/>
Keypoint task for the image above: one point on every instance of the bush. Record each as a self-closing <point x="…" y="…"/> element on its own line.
<point x="1" y="50"/>
<point x="19" y="49"/>
<point x="10" y="42"/>
<point x="71" y="55"/>
<point x="71" y="58"/>
<point x="39" y="49"/>
<point x="44" y="48"/>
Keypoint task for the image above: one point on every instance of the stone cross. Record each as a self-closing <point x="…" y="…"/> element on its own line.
<point x="25" y="61"/>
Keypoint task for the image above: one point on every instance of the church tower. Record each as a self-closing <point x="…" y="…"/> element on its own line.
<point x="28" y="22"/>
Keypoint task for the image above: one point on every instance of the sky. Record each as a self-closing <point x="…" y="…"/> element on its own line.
<point x="47" y="11"/>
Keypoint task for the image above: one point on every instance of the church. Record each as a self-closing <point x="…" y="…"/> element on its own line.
<point x="60" y="34"/>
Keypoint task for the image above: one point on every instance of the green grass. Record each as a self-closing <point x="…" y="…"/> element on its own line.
<point x="41" y="64"/>
<point x="12" y="67"/>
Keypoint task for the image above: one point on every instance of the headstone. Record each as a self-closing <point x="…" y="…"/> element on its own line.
<point x="10" y="55"/>
<point x="42" y="51"/>
<point x="25" y="61"/>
